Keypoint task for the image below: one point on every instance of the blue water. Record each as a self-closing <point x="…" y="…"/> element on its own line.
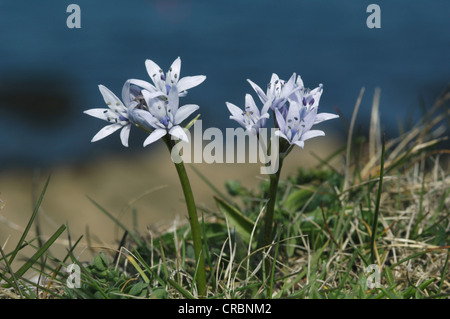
<point x="228" y="41"/>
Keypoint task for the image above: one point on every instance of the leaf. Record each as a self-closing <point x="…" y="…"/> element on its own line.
<point x="40" y="252"/>
<point x="243" y="224"/>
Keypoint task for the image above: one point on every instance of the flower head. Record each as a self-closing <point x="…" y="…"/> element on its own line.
<point x="295" y="125"/>
<point x="163" y="115"/>
<point x="278" y="91"/>
<point x="251" y="118"/>
<point x="164" y="82"/>
<point x="117" y="113"/>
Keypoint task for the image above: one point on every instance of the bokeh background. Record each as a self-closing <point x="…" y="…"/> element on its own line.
<point x="49" y="75"/>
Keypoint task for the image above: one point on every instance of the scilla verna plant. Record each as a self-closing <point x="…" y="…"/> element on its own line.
<point x="296" y="110"/>
<point x="155" y="109"/>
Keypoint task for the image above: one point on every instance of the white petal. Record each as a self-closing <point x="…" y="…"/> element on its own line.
<point x="311" y="134"/>
<point x="154" y="136"/>
<point x="300" y="143"/>
<point x="107" y="130"/>
<point x="126" y="93"/>
<point x="281" y="134"/>
<point x="143" y="84"/>
<point x="110" y="98"/>
<point x="184" y="111"/>
<point x="280" y="120"/>
<point x="155" y="72"/>
<point x="144" y="119"/>
<point x="234" y="110"/>
<point x="174" y="72"/>
<point x="262" y="96"/>
<point x="173" y="99"/>
<point x="125" y="134"/>
<point x="150" y="95"/>
<point x="189" y="82"/>
<point x="179" y="133"/>
<point x="324" y="117"/>
<point x="250" y="103"/>
<point x="239" y="120"/>
<point x="98" y="113"/>
<point x="274" y="78"/>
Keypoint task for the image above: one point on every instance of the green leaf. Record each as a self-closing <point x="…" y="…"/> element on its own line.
<point x="243" y="224"/>
<point x="40" y="252"/>
<point x="100" y="263"/>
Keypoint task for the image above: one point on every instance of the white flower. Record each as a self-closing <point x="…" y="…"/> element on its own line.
<point x="295" y="125"/>
<point x="163" y="115"/>
<point x="251" y="119"/>
<point x="117" y="114"/>
<point x="164" y="82"/>
<point x="278" y="91"/>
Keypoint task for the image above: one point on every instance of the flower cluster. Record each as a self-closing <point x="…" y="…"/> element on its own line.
<point x="295" y="109"/>
<point x="152" y="107"/>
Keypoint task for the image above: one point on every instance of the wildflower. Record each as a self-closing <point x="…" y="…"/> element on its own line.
<point x="251" y="119"/>
<point x="295" y="125"/>
<point x="164" y="82"/>
<point x="278" y="91"/>
<point x="117" y="114"/>
<point x="163" y="115"/>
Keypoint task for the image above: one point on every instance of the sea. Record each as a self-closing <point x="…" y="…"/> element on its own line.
<point x="50" y="66"/>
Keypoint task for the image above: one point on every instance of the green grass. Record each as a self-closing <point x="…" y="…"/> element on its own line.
<point x="387" y="205"/>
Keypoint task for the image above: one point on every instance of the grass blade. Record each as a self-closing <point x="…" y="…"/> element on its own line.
<point x="30" y="222"/>
<point x="243" y="225"/>
<point x="22" y="270"/>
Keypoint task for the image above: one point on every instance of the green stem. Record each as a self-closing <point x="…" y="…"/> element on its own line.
<point x="193" y="221"/>
<point x="270" y="207"/>
<point x="266" y="237"/>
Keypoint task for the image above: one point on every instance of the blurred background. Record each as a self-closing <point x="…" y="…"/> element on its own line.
<point x="49" y="74"/>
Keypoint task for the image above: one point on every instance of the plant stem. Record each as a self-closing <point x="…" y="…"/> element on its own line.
<point x="193" y="221"/>
<point x="270" y="207"/>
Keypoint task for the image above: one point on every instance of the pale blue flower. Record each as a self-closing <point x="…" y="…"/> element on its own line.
<point x="278" y="91"/>
<point x="117" y="114"/>
<point x="251" y="118"/>
<point x="163" y="116"/>
<point x="164" y="82"/>
<point x="295" y="125"/>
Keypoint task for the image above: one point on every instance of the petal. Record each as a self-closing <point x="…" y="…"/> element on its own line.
<point x="189" y="82"/>
<point x="98" y="113"/>
<point x="289" y="86"/>
<point x="274" y="78"/>
<point x="238" y="119"/>
<point x="311" y="134"/>
<point x="107" y="130"/>
<point x="265" y="109"/>
<point x="300" y="143"/>
<point x="173" y="75"/>
<point x="125" y="134"/>
<point x="184" y="111"/>
<point x="148" y="96"/>
<point x="173" y="99"/>
<point x="281" y="134"/>
<point x="126" y="93"/>
<point x="179" y="133"/>
<point x="143" y="84"/>
<point x="262" y="96"/>
<point x="234" y="110"/>
<point x="155" y="73"/>
<point x="110" y="98"/>
<point x="145" y="119"/>
<point x="154" y="136"/>
<point x="280" y="120"/>
<point x="250" y="103"/>
<point x="324" y="117"/>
